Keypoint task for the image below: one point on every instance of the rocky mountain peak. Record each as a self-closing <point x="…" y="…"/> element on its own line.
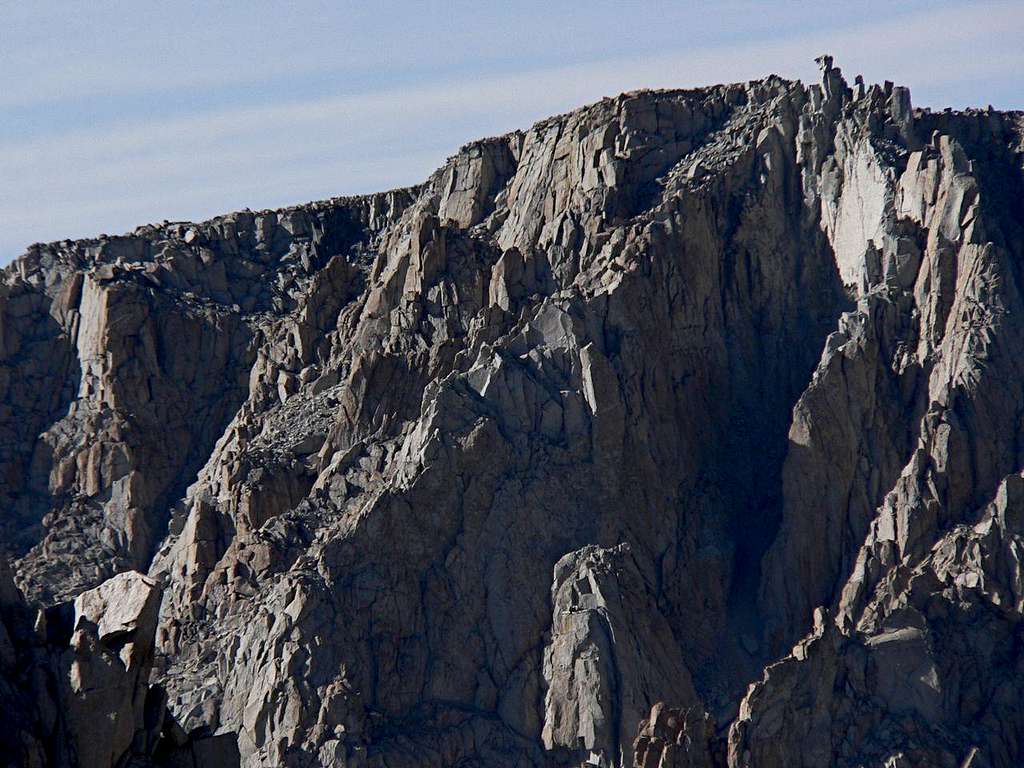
<point x="677" y="430"/>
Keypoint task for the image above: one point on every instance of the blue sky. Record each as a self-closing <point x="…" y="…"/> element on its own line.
<point x="119" y="114"/>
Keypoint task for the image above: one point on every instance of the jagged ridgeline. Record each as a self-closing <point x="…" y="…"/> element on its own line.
<point x="684" y="429"/>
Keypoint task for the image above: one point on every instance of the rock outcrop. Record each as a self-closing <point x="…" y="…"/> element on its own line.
<point x="679" y="430"/>
<point x="611" y="655"/>
<point x="75" y="683"/>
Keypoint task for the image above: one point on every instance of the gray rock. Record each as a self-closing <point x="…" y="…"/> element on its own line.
<point x="685" y="408"/>
<point x="76" y="690"/>
<point x="610" y="657"/>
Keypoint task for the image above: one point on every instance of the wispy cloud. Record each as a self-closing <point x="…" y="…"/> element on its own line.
<point x="111" y="176"/>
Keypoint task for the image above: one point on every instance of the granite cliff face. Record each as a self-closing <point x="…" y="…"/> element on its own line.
<point x="681" y="430"/>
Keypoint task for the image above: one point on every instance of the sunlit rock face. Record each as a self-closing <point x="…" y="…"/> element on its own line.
<point x="680" y="430"/>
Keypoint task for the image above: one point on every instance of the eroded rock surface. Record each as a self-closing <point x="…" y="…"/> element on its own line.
<point x="679" y="430"/>
<point x="611" y="655"/>
<point x="75" y="683"/>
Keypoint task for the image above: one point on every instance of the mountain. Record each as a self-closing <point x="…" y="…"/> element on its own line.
<point x="684" y="429"/>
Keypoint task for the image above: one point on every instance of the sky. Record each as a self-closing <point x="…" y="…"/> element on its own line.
<point x="119" y="114"/>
